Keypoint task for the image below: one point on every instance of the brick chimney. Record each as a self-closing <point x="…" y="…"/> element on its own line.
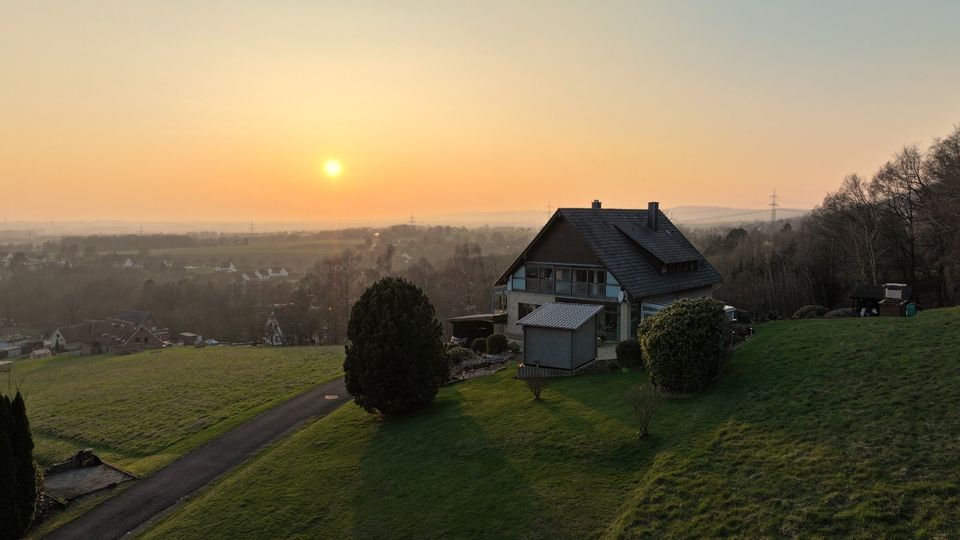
<point x="653" y="215"/>
<point x="596" y="204"/>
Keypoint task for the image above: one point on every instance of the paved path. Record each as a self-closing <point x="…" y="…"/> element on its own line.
<point x="149" y="497"/>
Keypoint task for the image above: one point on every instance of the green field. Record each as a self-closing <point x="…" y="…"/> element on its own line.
<point x="143" y="411"/>
<point x="818" y="428"/>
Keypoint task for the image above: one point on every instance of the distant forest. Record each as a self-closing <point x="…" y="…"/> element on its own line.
<point x="900" y="225"/>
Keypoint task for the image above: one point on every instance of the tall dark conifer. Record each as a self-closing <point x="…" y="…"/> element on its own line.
<point x="26" y="471"/>
<point x="395" y="360"/>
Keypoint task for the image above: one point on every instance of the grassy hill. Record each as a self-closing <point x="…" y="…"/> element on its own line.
<point x="144" y="410"/>
<point x="819" y="427"/>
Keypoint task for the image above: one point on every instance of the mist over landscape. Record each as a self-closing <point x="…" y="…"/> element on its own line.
<point x="445" y="270"/>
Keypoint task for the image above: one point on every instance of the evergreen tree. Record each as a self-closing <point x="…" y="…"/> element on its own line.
<point x="9" y="510"/>
<point x="18" y="475"/>
<point x="26" y="472"/>
<point x="395" y="360"/>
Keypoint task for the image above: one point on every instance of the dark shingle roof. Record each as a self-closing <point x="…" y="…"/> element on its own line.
<point x="620" y="237"/>
<point x="133" y="316"/>
<point x="563" y="315"/>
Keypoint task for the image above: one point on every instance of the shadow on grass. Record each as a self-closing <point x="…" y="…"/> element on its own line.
<point x="438" y="474"/>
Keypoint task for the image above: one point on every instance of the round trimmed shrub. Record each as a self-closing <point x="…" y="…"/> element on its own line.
<point x="513" y="347"/>
<point x="683" y="345"/>
<point x="496" y="343"/>
<point x="459" y="355"/>
<point x="395" y="361"/>
<point x="479" y="345"/>
<point x="810" y="312"/>
<point x="629" y="354"/>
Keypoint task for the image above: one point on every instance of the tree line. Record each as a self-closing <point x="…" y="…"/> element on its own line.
<point x="902" y="225"/>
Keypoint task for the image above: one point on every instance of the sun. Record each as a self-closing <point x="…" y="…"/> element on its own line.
<point x="332" y="168"/>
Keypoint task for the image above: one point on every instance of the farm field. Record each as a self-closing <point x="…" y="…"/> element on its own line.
<point x="818" y="428"/>
<point x="144" y="410"/>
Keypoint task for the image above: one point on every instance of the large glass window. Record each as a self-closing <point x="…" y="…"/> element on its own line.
<point x="580" y="284"/>
<point x="546" y="279"/>
<point x="613" y="287"/>
<point x="525" y="309"/>
<point x="533" y="278"/>
<point x="598" y="281"/>
<point x="519" y="279"/>
<point x="563" y="276"/>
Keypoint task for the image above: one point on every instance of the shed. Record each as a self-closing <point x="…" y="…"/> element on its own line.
<point x="560" y="335"/>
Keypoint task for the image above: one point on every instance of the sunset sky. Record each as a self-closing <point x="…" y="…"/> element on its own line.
<point x="229" y="110"/>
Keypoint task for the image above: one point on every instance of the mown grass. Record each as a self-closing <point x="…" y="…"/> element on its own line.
<point x="818" y="428"/>
<point x="143" y="411"/>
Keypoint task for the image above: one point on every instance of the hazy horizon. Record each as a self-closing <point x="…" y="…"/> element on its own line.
<point x="179" y="112"/>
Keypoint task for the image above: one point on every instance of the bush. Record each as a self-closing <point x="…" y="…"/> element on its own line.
<point x="810" y="312"/>
<point x="536" y="385"/>
<point x="395" y="361"/>
<point x="459" y="355"/>
<point x="684" y="344"/>
<point x="496" y="343"/>
<point x="644" y="399"/>
<point x="479" y="345"/>
<point x="513" y="347"/>
<point x="629" y="354"/>
<point x="838" y="313"/>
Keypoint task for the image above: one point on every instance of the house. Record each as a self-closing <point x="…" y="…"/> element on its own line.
<point x="625" y="261"/>
<point x="290" y="324"/>
<point x="189" y="338"/>
<point x="144" y="318"/>
<point x="127" y="331"/>
<point x="226" y="267"/>
<point x="128" y="264"/>
<point x="560" y="335"/>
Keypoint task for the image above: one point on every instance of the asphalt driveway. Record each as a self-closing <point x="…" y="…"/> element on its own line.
<point x="150" y="497"/>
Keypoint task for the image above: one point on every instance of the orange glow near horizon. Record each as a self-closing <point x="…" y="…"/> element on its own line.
<point x="458" y="108"/>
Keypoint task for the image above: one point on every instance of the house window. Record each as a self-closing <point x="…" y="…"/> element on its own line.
<point x="563" y="278"/>
<point x="519" y="279"/>
<point x="546" y="279"/>
<point x="613" y="287"/>
<point x="533" y="278"/>
<point x="580" y="284"/>
<point x="675" y="268"/>
<point x="525" y="309"/>
<point x="598" y="283"/>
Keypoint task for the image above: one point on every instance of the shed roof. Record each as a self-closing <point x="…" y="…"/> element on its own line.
<point x="562" y="315"/>
<point x="485" y="317"/>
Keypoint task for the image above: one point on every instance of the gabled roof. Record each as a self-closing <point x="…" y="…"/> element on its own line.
<point x="562" y="315"/>
<point x="133" y="316"/>
<point x="628" y="248"/>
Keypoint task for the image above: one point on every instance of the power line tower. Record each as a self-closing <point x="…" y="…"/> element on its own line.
<point x="774" y="205"/>
<point x="251" y="228"/>
<point x="413" y="222"/>
<point x="549" y="210"/>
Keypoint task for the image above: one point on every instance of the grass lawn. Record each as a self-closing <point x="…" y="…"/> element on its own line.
<point x="143" y="411"/>
<point x="818" y="428"/>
